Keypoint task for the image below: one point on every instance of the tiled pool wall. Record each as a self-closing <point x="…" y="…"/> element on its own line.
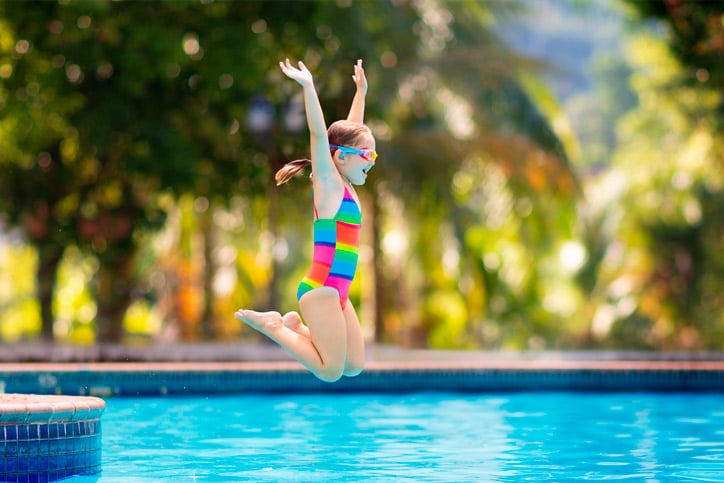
<point x="148" y="379"/>
<point x="56" y="432"/>
<point x="48" y="438"/>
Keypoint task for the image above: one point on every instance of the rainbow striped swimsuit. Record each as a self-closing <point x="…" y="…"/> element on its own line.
<point x="336" y="248"/>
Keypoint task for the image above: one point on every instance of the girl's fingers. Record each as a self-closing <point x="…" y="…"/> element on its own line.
<point x="289" y="69"/>
<point x="287" y="66"/>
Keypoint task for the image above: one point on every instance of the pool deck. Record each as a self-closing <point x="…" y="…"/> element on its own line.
<point x="240" y="368"/>
<point x="268" y="352"/>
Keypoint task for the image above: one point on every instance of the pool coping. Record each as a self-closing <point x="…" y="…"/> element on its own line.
<point x="49" y="438"/>
<point x="35" y="408"/>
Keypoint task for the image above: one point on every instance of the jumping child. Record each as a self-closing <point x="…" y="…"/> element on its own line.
<point x="331" y="344"/>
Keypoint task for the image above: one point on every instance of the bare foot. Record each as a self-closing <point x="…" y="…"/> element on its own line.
<point x="293" y="321"/>
<point x="264" y="322"/>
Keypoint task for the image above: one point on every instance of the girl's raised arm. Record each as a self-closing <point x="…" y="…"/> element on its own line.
<point x="357" y="111"/>
<point x="322" y="164"/>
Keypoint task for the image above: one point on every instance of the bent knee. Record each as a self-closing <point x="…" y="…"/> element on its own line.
<point x="330" y="373"/>
<point x="353" y="368"/>
<point x="352" y="371"/>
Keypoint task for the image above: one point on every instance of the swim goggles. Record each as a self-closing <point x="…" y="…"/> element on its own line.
<point x="368" y="154"/>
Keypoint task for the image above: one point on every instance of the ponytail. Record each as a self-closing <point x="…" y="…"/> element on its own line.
<point x="288" y="171"/>
<point x="341" y="133"/>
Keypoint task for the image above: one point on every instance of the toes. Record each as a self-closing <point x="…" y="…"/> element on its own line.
<point x="261" y="321"/>
<point x="292" y="319"/>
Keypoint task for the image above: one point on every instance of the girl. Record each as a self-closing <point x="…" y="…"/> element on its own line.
<point x="331" y="344"/>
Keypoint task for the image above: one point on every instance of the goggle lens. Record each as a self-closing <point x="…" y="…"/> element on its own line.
<point x="368" y="154"/>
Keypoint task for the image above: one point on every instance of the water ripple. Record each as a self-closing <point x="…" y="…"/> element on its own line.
<point x="416" y="437"/>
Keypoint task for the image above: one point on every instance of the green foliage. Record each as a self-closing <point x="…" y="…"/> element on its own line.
<point x="19" y="312"/>
<point x="694" y="37"/>
<point x="123" y="118"/>
<point x="662" y="286"/>
<point x="87" y="153"/>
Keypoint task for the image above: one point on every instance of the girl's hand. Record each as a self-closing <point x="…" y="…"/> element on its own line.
<point x="301" y="75"/>
<point x="359" y="77"/>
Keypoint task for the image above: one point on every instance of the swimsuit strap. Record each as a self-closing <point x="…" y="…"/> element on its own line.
<point x="346" y="196"/>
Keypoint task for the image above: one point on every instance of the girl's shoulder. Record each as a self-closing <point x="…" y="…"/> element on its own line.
<point x="328" y="195"/>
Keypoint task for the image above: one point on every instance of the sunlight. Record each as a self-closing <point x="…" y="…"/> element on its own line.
<point x="603" y="320"/>
<point x="395" y="244"/>
<point x="451" y="261"/>
<point x="572" y="255"/>
<point x="142" y="319"/>
<point x="435" y="31"/>
<point x="561" y="298"/>
<point x="259" y="26"/>
<point x="74" y="73"/>
<point x="22" y="47"/>
<point x="458" y="114"/>
<point x="388" y="59"/>
<point x="225" y="281"/>
<point x="84" y="21"/>
<point x="6" y="70"/>
<point x="191" y="44"/>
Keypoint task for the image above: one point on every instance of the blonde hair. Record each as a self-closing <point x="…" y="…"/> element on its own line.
<point x="342" y="133"/>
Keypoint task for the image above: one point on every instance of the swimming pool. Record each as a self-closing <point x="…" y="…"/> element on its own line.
<point x="422" y="436"/>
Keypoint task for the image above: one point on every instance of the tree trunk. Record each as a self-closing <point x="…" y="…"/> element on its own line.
<point x="273" y="289"/>
<point x="114" y="285"/>
<point x="49" y="257"/>
<point x="207" y="314"/>
<point x="378" y="278"/>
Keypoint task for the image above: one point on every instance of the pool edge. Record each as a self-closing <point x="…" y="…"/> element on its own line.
<point x="179" y="378"/>
<point x="49" y="438"/>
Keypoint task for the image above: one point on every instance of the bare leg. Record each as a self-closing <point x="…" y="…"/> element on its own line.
<point x="355" y="360"/>
<point x="325" y="352"/>
<point x="271" y="325"/>
<point x="327" y="328"/>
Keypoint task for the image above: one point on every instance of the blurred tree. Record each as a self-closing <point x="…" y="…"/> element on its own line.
<point x="696" y="36"/>
<point x="660" y="279"/>
<point x="87" y="152"/>
<point x="235" y="48"/>
<point x="595" y="112"/>
<point x="31" y="134"/>
<point x="440" y="124"/>
<point x="78" y="79"/>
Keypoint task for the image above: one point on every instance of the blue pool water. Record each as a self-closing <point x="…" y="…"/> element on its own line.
<point x="415" y="437"/>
